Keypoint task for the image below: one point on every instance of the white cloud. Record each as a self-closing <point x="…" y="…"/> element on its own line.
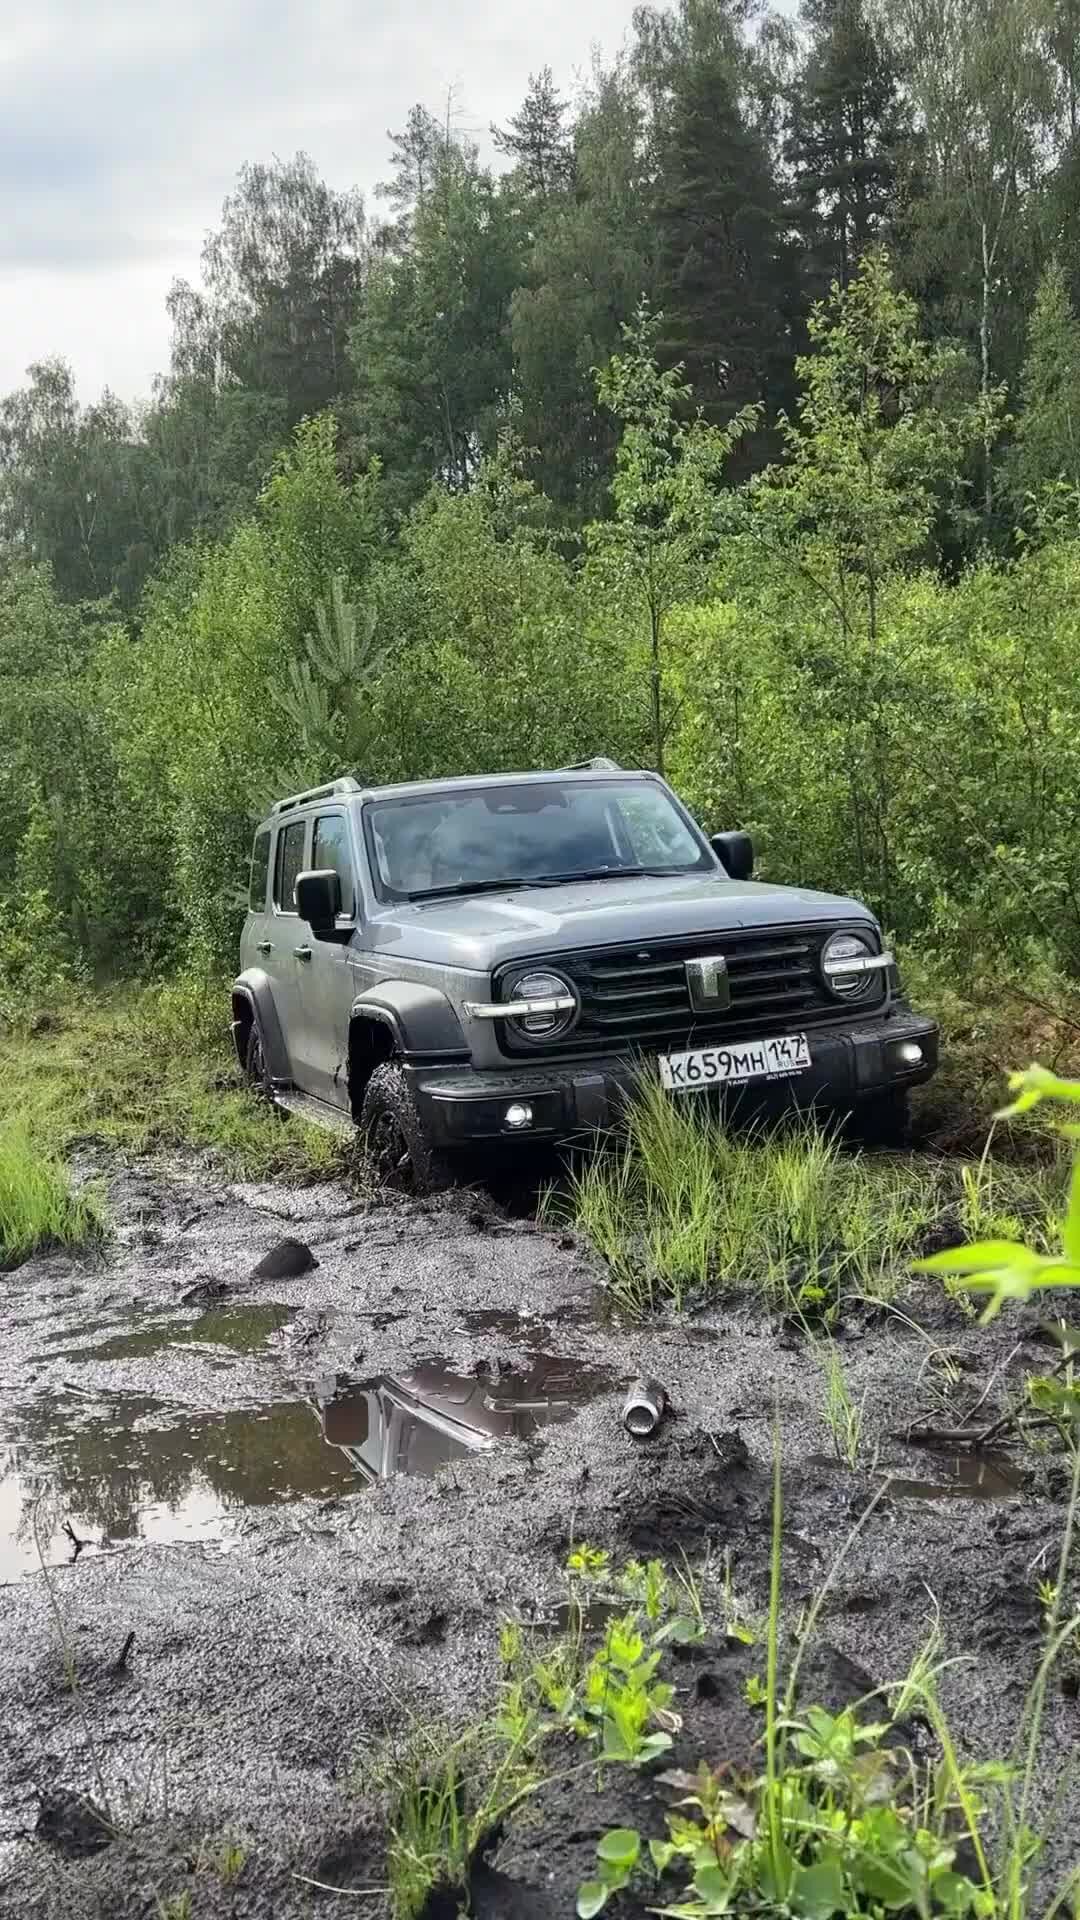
<point x="123" y="124"/>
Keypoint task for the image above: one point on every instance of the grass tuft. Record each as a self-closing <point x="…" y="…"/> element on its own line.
<point x="39" y="1208"/>
<point x="683" y="1209"/>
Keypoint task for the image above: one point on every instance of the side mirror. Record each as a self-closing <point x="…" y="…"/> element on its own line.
<point x="736" y="851"/>
<point x="318" y="901"/>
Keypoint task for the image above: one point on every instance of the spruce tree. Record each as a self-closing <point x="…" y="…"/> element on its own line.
<point x="847" y="131"/>
<point x="1047" y="444"/>
<point x="727" y="275"/>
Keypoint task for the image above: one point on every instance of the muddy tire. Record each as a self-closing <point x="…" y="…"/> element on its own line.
<point x="256" y="1067"/>
<point x="884" y="1120"/>
<point x="395" y="1141"/>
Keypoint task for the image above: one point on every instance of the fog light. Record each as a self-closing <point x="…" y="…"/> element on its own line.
<point x="910" y="1052"/>
<point x="518" y="1116"/>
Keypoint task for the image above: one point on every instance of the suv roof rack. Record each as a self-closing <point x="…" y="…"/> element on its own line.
<point x="599" y="764"/>
<point x="332" y="788"/>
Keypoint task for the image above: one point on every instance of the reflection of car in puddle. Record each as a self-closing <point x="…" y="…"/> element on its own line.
<point x="417" y="1422"/>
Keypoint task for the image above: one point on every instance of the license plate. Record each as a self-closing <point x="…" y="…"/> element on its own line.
<point x="752" y="1060"/>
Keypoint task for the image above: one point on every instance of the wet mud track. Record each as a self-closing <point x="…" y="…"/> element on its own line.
<point x="282" y="1498"/>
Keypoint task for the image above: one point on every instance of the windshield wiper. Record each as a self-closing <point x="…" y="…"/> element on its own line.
<point x="468" y="886"/>
<point x="605" y="873"/>
<point x="517" y="881"/>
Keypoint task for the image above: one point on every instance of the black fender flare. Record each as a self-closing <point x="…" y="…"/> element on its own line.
<point x="422" y="1020"/>
<point x="256" y="988"/>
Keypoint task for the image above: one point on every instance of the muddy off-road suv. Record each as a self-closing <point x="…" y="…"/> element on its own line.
<point x="497" y="959"/>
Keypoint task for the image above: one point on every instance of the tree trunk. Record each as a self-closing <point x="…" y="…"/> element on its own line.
<point x="984" y="354"/>
<point x="655" y="690"/>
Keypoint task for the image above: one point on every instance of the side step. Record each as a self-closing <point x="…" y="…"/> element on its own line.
<point x="316" y="1112"/>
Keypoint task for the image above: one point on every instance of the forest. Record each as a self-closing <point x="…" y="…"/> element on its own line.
<point x="726" y="423"/>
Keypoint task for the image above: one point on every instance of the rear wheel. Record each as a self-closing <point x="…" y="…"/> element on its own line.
<point x="395" y="1138"/>
<point x="884" y="1119"/>
<point x="256" y="1068"/>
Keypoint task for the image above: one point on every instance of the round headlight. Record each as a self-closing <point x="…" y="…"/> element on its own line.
<point x="552" y="1021"/>
<point x="847" y="981"/>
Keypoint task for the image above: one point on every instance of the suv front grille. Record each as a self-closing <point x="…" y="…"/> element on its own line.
<point x="638" y="995"/>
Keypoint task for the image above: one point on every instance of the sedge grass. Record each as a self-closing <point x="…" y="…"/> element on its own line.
<point x="683" y="1208"/>
<point x="39" y="1207"/>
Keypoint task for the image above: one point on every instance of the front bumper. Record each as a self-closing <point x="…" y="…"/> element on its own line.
<point x="574" y="1098"/>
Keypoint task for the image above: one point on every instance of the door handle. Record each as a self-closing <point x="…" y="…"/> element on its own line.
<point x="302" y="953"/>
<point x="265" y="946"/>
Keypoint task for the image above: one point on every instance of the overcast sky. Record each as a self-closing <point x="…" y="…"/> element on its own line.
<point x="123" y="124"/>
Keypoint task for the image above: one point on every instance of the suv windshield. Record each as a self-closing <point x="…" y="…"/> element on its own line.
<point x="529" y="834"/>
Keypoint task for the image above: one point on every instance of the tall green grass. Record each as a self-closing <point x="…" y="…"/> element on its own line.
<point x="682" y="1209"/>
<point x="38" y="1206"/>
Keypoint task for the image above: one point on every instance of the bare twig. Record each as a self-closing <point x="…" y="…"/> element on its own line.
<point x="77" y="1543"/>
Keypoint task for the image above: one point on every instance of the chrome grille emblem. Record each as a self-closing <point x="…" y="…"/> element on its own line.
<point x="708" y="983"/>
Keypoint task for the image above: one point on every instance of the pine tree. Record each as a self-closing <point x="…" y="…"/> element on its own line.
<point x="848" y="127"/>
<point x="536" y="139"/>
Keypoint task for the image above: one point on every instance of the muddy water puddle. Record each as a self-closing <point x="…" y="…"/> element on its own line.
<point x="81" y="1475"/>
<point x="949" y="1476"/>
<point x="242" y="1328"/>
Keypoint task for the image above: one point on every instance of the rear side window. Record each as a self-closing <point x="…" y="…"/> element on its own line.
<point x="290" y="864"/>
<point x="331" y="849"/>
<point x="260" y="872"/>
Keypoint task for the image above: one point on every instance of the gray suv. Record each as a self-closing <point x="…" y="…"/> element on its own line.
<point x="497" y="959"/>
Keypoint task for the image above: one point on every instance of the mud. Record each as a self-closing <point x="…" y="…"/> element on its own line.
<point x="265" y="1522"/>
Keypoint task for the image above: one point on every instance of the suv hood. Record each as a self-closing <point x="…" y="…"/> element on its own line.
<point x="480" y="931"/>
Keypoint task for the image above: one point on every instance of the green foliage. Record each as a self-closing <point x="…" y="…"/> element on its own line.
<point x="151" y="1070"/>
<point x="1009" y="1269"/>
<point x="617" y="1856"/>
<point x="1047" y="446"/>
<point x="39" y="1208"/>
<point x="652" y="553"/>
<point x="430" y="347"/>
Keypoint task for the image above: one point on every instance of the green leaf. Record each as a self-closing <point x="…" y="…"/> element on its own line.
<point x="954" y="1892"/>
<point x="818" y="1891"/>
<point x="592" y="1898"/>
<point x="712" y="1885"/>
<point x="620" y="1847"/>
<point x="662" y="1853"/>
<point x="886" y="1881"/>
<point x="984" y="1257"/>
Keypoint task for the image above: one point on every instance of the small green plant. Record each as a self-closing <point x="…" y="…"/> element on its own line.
<point x="38" y="1206"/>
<point x="843" y="1414"/>
<point x="617" y="1855"/>
<point x="177" y="1907"/>
<point x="447" y="1792"/>
<point x="624" y="1705"/>
<point x="224" y="1856"/>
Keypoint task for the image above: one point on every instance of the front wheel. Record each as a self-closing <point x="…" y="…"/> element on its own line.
<point x="397" y="1143"/>
<point x="884" y="1119"/>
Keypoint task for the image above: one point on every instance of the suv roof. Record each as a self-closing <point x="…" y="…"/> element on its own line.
<point x="347" y="788"/>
